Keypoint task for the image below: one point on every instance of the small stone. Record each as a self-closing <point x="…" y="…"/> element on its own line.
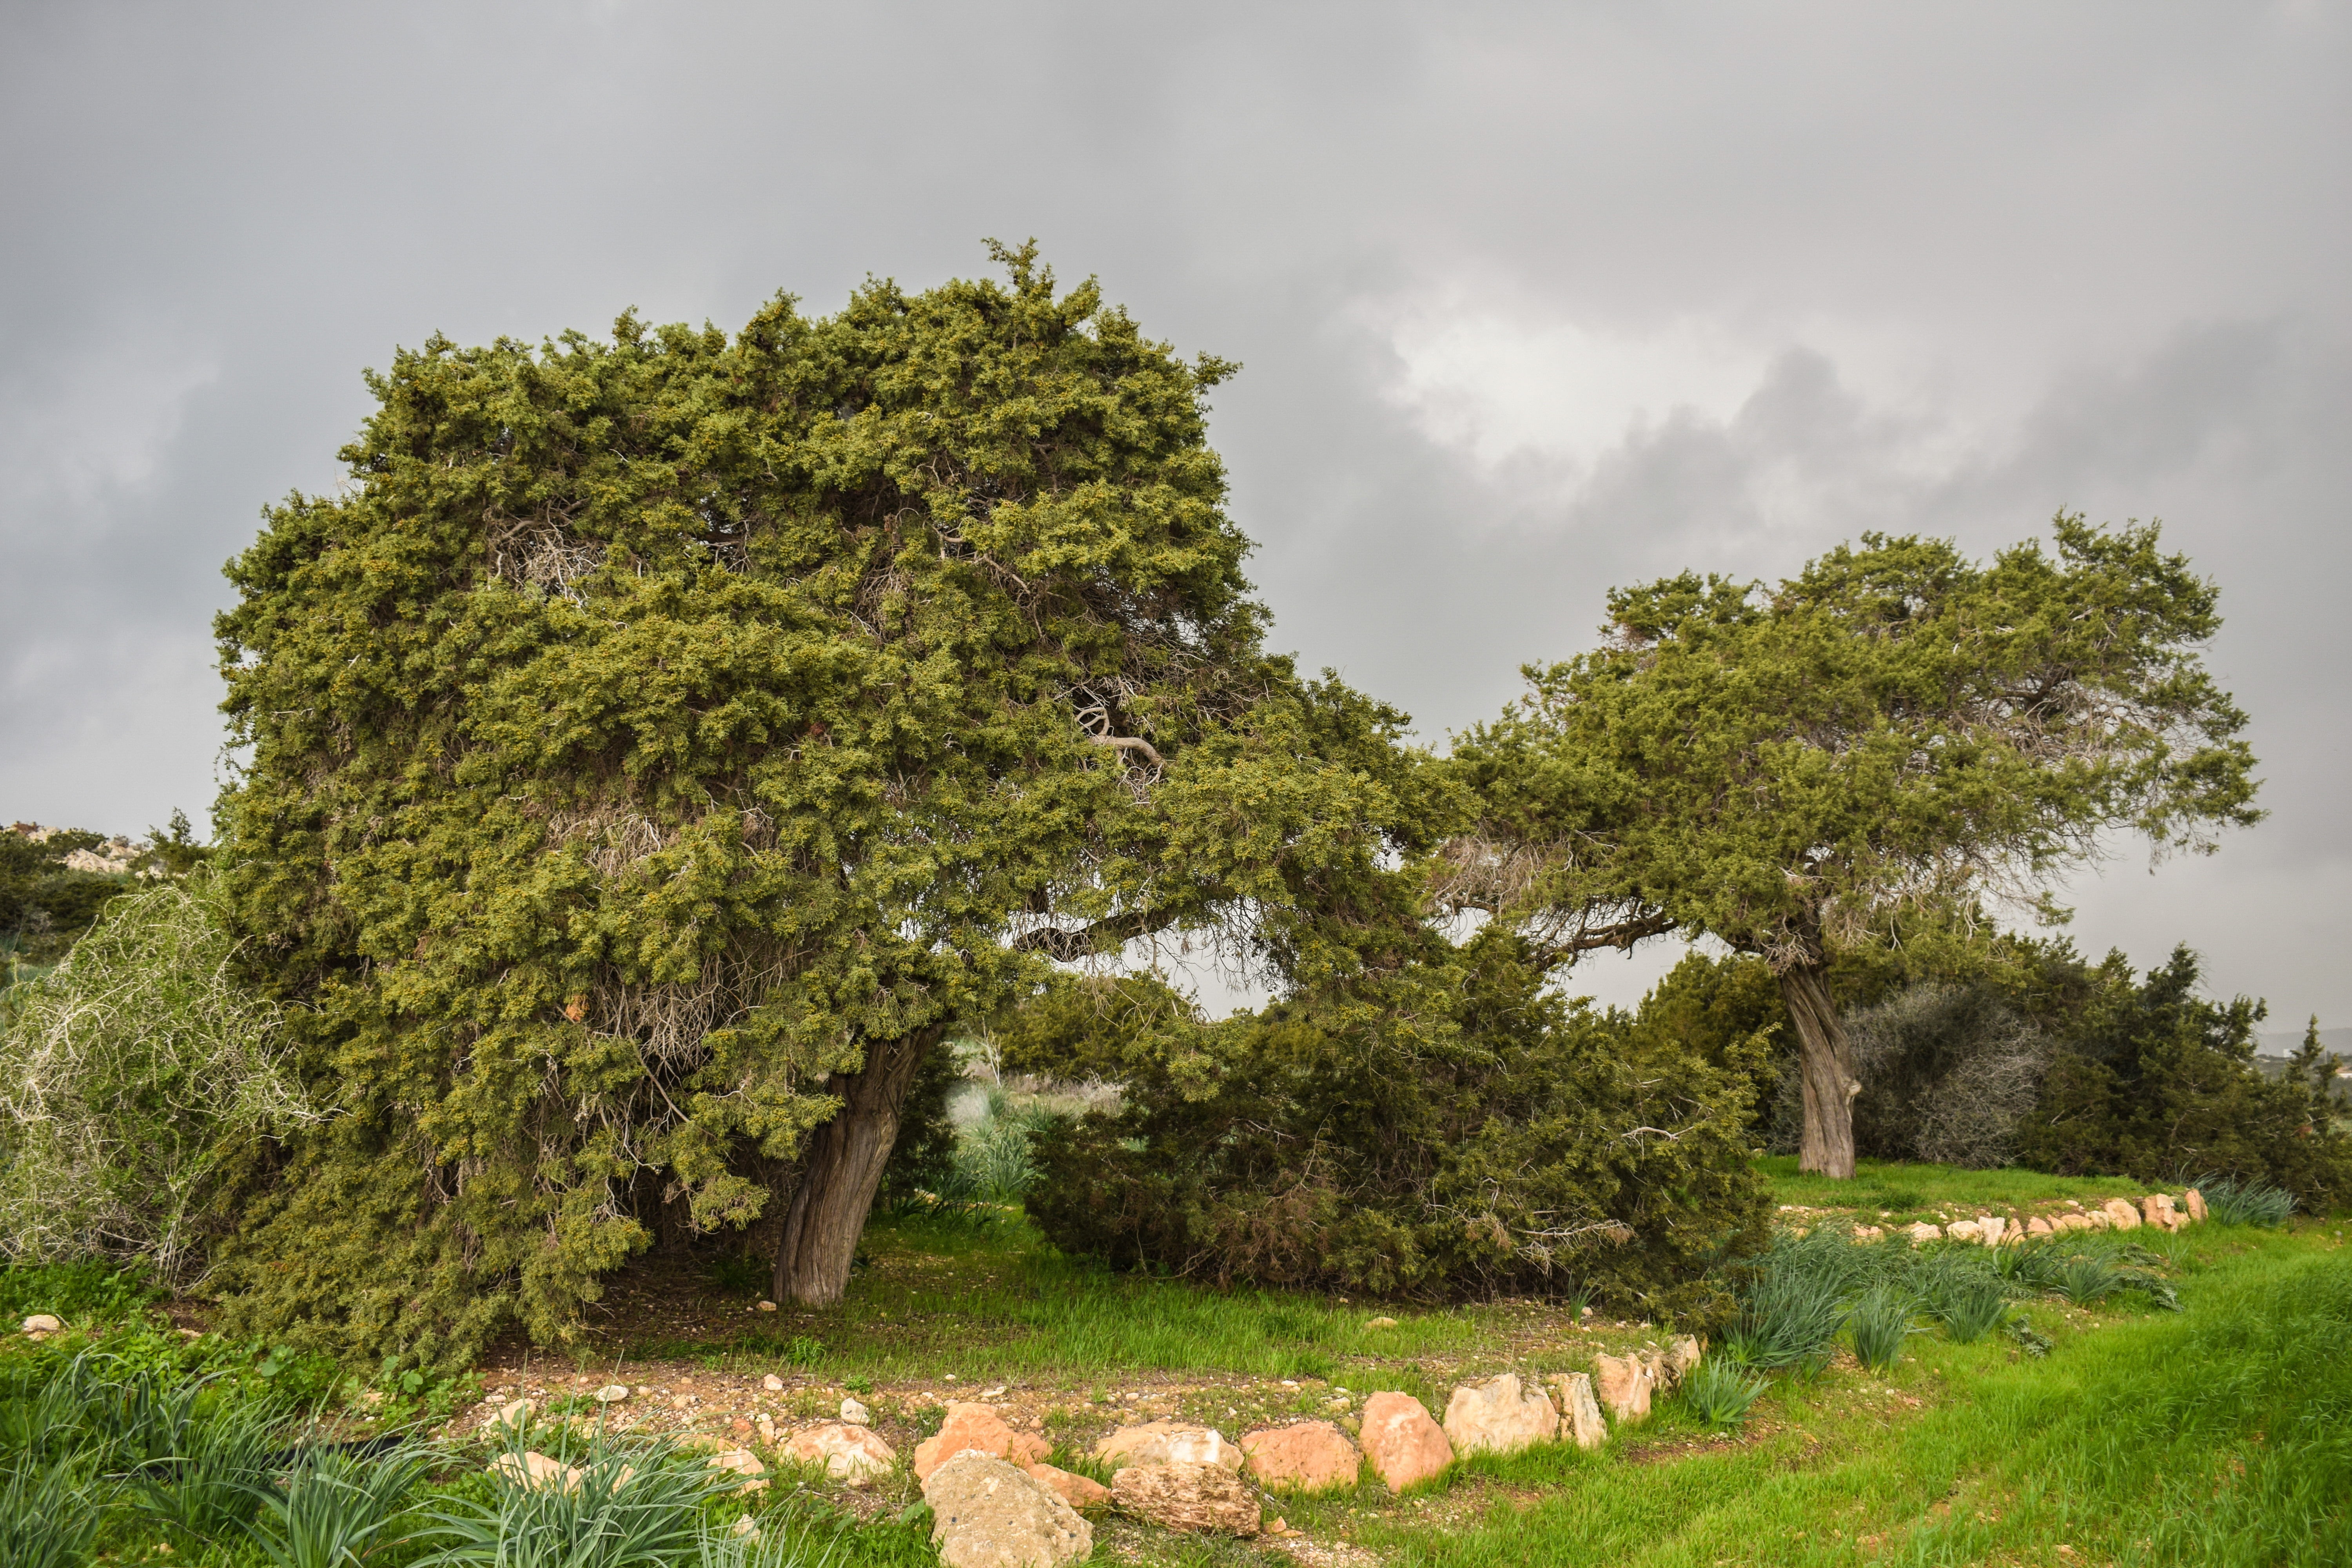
<point x="745" y="1528"/>
<point x="772" y="1383"/>
<point x="535" y="1470"/>
<point x="1990" y="1229"/>
<point x="1623" y="1384"/>
<point x="1401" y="1441"/>
<point x="612" y="1394"/>
<point x="1305" y="1456"/>
<point x="767" y="1306"/>
<point x="855" y="1414"/>
<point x="1381" y="1324"/>
<point x="1579" y="1414"/>
<point x="515" y="1416"/>
<point x="44" y="1324"/>
<point x="2196" y="1204"/>
<point x="1964" y="1230"/>
<point x="986" y="1513"/>
<point x="1168" y="1442"/>
<point x="996" y="1393"/>
<point x="1921" y="1231"/>
<point x="976" y="1428"/>
<point x="1681" y="1359"/>
<point x="1078" y="1491"/>
<point x="1188" y="1497"/>
<point x="853" y="1454"/>
<point x="1500" y="1416"/>
<point x="741" y="1462"/>
<point x="2037" y="1226"/>
<point x="2120" y="1214"/>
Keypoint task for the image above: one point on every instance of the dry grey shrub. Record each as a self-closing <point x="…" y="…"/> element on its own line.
<point x="1948" y="1071"/>
<point x="126" y="1076"/>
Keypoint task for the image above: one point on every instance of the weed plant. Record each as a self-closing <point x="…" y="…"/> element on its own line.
<point x="47" y="1519"/>
<point x="1878" y="1324"/>
<point x="331" y="1506"/>
<point x="1796" y="1301"/>
<point x="632" y="1505"/>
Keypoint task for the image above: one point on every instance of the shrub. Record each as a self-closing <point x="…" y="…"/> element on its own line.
<point x="132" y="1080"/>
<point x="1947" y="1072"/>
<point x="2153" y="1078"/>
<point x="1452" y="1128"/>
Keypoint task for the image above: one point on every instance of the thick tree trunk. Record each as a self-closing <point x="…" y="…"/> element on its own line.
<point x="1825" y="1071"/>
<point x="843" y="1170"/>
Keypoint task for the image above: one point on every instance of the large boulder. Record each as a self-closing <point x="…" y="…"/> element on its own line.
<point x="976" y="1426"/>
<point x="1624" y="1382"/>
<point x="1168" y="1443"/>
<point x="988" y="1513"/>
<point x="1500" y="1416"/>
<point x="848" y="1453"/>
<point x="1305" y="1457"/>
<point x="1580" y="1417"/>
<point x="2120" y="1214"/>
<point x="1404" y="1443"/>
<point x="1182" y="1495"/>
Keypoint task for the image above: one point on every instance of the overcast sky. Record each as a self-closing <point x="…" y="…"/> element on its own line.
<point x="1532" y="301"/>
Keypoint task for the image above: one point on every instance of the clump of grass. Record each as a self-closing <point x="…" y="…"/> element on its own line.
<point x="631" y="1506"/>
<point x="1795" y="1304"/>
<point x="1721" y="1394"/>
<point x="2228" y="1200"/>
<point x="328" y="1507"/>
<point x="2087" y="1278"/>
<point x="46" y="1518"/>
<point x="1969" y="1310"/>
<point x="1878" y="1324"/>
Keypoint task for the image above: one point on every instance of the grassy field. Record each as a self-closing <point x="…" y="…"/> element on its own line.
<point x="2110" y="1430"/>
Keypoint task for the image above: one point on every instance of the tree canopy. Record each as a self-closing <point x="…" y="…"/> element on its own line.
<point x="1894" y="730"/>
<point x="659" y="742"/>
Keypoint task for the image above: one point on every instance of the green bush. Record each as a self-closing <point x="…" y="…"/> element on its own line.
<point x="2152" y="1079"/>
<point x="134" y="1081"/>
<point x="1454" y="1129"/>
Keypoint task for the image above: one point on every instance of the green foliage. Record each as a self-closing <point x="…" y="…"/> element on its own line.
<point x="2152" y="1079"/>
<point x="1720" y="1393"/>
<point x="135" y="1082"/>
<point x="1895" y="729"/>
<point x="634" y="1505"/>
<point x="45" y="905"/>
<point x="2228" y="1200"/>
<point x="1794" y="1301"/>
<point x="1723" y="1008"/>
<point x="651" y="730"/>
<point x="46" y="1520"/>
<point x="1947" y="1072"/>
<point x="327" y="1508"/>
<point x="1878" y="1324"/>
<point x="1450" y="1128"/>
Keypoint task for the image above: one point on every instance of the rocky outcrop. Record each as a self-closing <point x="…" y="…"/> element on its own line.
<point x="1500" y="1416"/>
<point x="1182" y="1495"/>
<point x="1305" y="1457"/>
<point x="1404" y="1443"/>
<point x="988" y="1513"/>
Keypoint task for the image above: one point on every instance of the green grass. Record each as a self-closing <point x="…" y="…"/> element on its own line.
<point x="1906" y="1192"/>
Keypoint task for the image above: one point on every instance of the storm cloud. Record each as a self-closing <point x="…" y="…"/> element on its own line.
<point x="1532" y="301"/>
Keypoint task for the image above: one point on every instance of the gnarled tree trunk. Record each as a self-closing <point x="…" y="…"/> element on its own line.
<point x="844" y="1169"/>
<point x="1825" y="1071"/>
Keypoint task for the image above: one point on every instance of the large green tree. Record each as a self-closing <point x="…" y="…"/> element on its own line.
<point x="658" y="744"/>
<point x="1894" y="731"/>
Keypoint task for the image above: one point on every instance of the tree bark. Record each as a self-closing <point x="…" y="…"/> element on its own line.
<point x="844" y="1170"/>
<point x="1825" y="1071"/>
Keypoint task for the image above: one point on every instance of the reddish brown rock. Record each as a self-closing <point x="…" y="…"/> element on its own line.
<point x="1623" y="1384"/>
<point x="979" y="1428"/>
<point x="1184" y="1496"/>
<point x="1078" y="1491"/>
<point x="1400" y="1440"/>
<point x="1305" y="1456"/>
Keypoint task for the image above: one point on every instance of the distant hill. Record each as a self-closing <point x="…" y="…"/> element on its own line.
<point x="2284" y="1042"/>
